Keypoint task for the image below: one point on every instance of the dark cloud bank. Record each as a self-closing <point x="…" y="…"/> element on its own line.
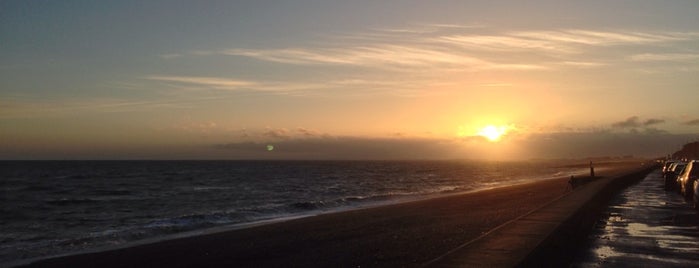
<point x="607" y="143"/>
<point x="344" y="148"/>
<point x="634" y="122"/>
<point x="552" y="145"/>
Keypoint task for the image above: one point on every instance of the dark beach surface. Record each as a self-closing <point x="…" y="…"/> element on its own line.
<point x="407" y="234"/>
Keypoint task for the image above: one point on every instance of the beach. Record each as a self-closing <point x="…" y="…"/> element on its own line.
<point x="406" y="234"/>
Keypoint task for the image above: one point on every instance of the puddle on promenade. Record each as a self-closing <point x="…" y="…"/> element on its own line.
<point x="644" y="226"/>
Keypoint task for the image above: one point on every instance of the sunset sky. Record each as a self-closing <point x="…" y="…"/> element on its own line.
<point x="321" y="79"/>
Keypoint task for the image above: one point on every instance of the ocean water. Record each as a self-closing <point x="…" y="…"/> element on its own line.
<point x="50" y="208"/>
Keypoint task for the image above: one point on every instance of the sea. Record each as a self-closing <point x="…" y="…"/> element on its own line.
<point x="53" y="208"/>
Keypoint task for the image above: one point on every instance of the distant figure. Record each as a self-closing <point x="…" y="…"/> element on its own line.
<point x="572" y="182"/>
<point x="592" y="170"/>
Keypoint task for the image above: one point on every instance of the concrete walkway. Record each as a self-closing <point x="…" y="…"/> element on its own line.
<point x="548" y="236"/>
<point x="644" y="225"/>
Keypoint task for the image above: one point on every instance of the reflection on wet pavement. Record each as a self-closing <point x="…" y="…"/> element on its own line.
<point x="644" y="226"/>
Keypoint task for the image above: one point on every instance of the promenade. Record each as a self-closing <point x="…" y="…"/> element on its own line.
<point x="644" y="226"/>
<point x="548" y="236"/>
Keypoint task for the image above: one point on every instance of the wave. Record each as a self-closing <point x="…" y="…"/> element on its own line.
<point x="112" y="192"/>
<point x="309" y="205"/>
<point x="354" y="200"/>
<point x="70" y="201"/>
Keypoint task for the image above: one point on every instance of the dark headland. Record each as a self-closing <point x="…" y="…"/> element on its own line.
<point x="509" y="226"/>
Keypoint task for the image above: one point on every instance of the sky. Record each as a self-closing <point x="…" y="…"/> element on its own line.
<point x="322" y="79"/>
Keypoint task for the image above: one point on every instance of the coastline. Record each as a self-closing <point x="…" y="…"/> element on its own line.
<point x="402" y="234"/>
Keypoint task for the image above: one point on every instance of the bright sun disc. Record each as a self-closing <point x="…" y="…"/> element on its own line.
<point x="492" y="133"/>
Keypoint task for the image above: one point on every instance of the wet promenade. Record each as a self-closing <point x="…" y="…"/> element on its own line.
<point x="644" y="226"/>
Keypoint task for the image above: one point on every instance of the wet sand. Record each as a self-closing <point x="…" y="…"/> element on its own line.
<point x="407" y="234"/>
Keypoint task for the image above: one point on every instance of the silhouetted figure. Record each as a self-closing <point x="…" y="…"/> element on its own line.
<point x="592" y="170"/>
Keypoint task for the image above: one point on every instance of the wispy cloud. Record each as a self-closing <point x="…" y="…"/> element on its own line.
<point x="277" y="133"/>
<point x="30" y="108"/>
<point x="292" y="56"/>
<point x="457" y="47"/>
<point x="563" y="41"/>
<point x="603" y="38"/>
<point x="415" y="58"/>
<point x="381" y="56"/>
<point x="665" y="57"/>
<point x="376" y="55"/>
<point x="583" y="64"/>
<point x="425" y="28"/>
<point x="305" y="132"/>
<point x="360" y="86"/>
<point x="170" y="56"/>
<point x="214" y="82"/>
<point x="502" y="43"/>
<point x="220" y="83"/>
<point x="497" y="85"/>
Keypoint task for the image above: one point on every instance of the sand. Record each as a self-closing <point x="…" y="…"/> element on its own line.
<point x="407" y="234"/>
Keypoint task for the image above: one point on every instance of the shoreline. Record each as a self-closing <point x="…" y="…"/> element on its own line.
<point x="275" y="220"/>
<point x="271" y="221"/>
<point x="364" y="222"/>
<point x="280" y="218"/>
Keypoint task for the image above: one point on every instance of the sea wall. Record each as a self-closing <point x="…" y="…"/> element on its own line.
<point x="559" y="247"/>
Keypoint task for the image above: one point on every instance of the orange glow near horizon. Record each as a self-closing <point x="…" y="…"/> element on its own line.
<point x="493" y="133"/>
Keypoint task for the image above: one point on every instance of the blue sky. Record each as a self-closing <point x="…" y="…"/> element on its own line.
<point x="222" y="79"/>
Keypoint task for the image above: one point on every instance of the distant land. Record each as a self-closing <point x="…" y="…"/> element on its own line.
<point x="688" y="151"/>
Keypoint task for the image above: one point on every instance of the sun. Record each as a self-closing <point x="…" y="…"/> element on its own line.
<point x="492" y="133"/>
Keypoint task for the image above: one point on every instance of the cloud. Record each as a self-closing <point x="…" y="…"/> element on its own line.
<point x="309" y="133"/>
<point x="452" y="46"/>
<point x="279" y="133"/>
<point x="292" y="56"/>
<point x="221" y="83"/>
<point x="562" y="41"/>
<point x="653" y="121"/>
<point x="649" y="143"/>
<point x="497" y="85"/>
<point x="583" y="64"/>
<point x="502" y="43"/>
<point x="198" y="127"/>
<point x="21" y="107"/>
<point x="214" y="82"/>
<point x="426" y="28"/>
<point x="631" y="122"/>
<point x="694" y="122"/>
<point x="359" y="86"/>
<point x="409" y="61"/>
<point x="604" y="38"/>
<point x="170" y="56"/>
<point x="648" y="57"/>
<point x="654" y="131"/>
<point x="381" y="56"/>
<point x="345" y="148"/>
